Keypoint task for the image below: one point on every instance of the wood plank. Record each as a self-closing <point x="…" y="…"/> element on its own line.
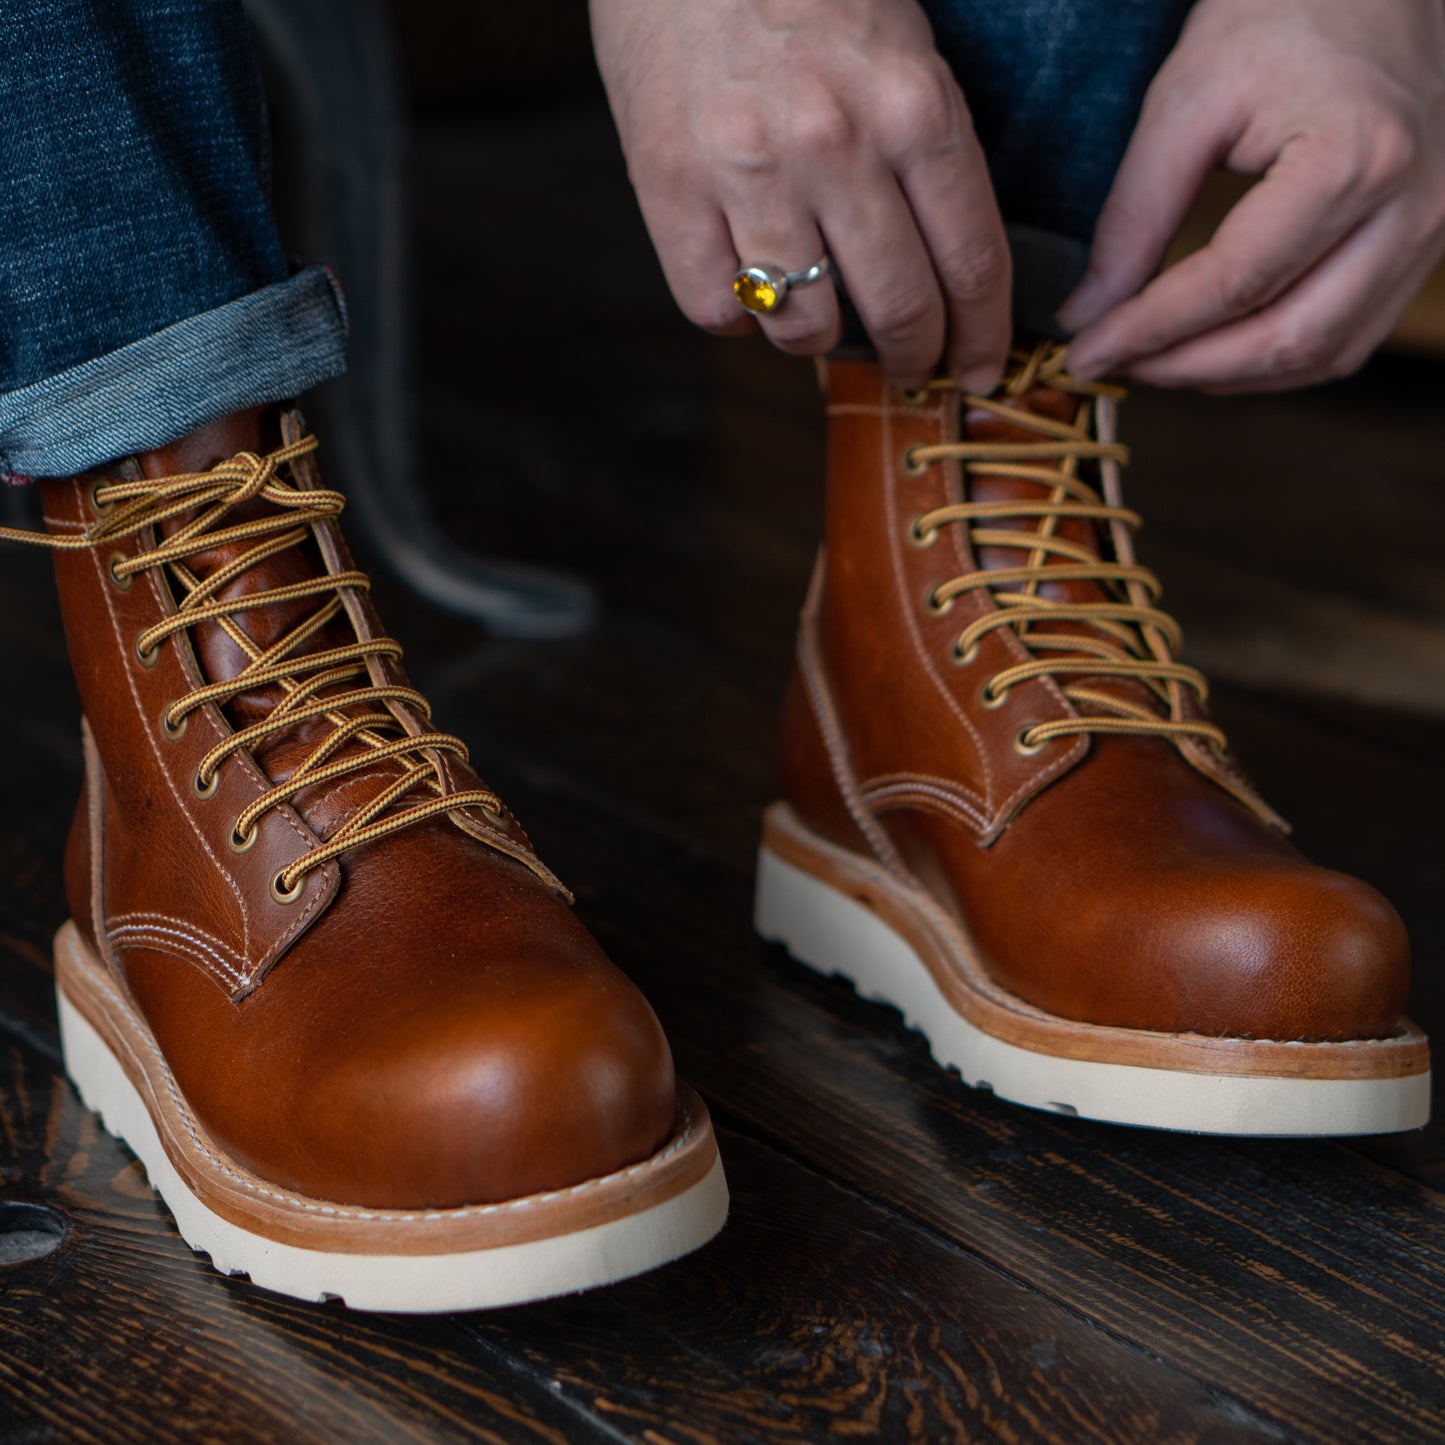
<point x="822" y="1315"/>
<point x="123" y="1335"/>
<point x="815" y="1307"/>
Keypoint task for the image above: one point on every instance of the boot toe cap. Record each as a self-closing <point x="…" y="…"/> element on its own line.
<point x="466" y="1102"/>
<point x="1299" y="954"/>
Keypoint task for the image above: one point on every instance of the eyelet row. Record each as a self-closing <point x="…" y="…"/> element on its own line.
<point x="237" y="841"/>
<point x="124" y="584"/>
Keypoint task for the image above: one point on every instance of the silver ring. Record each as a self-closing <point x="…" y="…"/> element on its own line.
<point x="761" y="288"/>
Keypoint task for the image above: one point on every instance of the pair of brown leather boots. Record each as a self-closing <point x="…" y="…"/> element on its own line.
<point x="318" y="979"/>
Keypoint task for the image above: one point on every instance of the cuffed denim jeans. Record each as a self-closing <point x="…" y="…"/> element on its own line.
<point x="144" y="291"/>
<point x="143" y="288"/>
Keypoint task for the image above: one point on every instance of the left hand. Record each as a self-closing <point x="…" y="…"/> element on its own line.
<point x="1340" y="106"/>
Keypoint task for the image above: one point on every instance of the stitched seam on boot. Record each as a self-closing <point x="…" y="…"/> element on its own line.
<point x="96" y="567"/>
<point x="162" y="930"/>
<point x="901" y="789"/>
<point x="907" y="609"/>
<point x="820" y="703"/>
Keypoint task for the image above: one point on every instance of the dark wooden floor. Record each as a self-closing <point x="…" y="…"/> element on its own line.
<point x="906" y="1259"/>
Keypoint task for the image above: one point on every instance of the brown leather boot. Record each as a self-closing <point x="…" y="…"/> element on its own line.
<point x="1008" y="813"/>
<point x="316" y="976"/>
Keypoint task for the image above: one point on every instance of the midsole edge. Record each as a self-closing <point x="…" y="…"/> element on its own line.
<point x="253" y="1204"/>
<point x="943" y="950"/>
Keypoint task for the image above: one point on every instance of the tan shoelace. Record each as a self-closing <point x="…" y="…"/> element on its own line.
<point x="1130" y="636"/>
<point x="129" y="507"/>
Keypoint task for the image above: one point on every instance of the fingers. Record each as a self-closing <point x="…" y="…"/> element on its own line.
<point x="951" y="197"/>
<point x="810" y="321"/>
<point x="1325" y="326"/>
<point x="1175" y="145"/>
<point x="1296" y="215"/>
<point x="885" y="268"/>
<point x="695" y="247"/>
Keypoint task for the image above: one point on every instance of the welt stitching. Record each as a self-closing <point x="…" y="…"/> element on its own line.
<point x="509" y="1206"/>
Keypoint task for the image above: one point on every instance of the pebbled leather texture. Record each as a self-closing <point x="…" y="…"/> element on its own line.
<point x="1105" y="878"/>
<point x="428" y="1025"/>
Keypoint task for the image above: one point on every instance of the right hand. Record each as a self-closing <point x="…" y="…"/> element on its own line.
<point x="776" y="130"/>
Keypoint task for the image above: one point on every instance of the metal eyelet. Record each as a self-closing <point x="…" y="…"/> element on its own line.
<point x="101" y="509"/>
<point x="963" y="656"/>
<point x="938" y="608"/>
<point x="496" y="817"/>
<point x="914" y="395"/>
<point x="205" y="790"/>
<point x="147" y="659"/>
<point x="921" y="539"/>
<point x="912" y="467"/>
<point x="1025" y="748"/>
<point x="242" y="843"/>
<point x="281" y="894"/>
<point x="121" y="584"/>
<point x="988" y="699"/>
<point x="176" y="733"/>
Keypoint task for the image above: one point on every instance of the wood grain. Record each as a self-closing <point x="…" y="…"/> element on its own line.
<point x="907" y="1259"/>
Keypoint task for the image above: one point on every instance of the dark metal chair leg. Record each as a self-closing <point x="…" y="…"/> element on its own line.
<point x="335" y="99"/>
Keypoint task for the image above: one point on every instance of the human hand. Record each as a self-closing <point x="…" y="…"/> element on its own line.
<point x="771" y="131"/>
<point x="1340" y="105"/>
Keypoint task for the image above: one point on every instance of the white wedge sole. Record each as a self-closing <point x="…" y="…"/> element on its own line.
<point x="841" y="914"/>
<point x="411" y="1261"/>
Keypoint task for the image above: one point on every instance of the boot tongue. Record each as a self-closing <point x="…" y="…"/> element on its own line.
<point x="220" y="659"/>
<point x="986" y="486"/>
<point x="982" y="485"/>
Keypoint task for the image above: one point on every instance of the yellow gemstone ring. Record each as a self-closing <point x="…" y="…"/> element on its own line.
<point x="764" y="288"/>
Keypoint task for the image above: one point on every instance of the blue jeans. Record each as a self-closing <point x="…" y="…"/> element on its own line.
<point x="144" y="292"/>
<point x="1054" y="88"/>
<point x="143" y="288"/>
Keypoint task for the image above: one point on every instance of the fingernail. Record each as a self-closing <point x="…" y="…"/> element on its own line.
<point x="1083" y="306"/>
<point x="980" y="380"/>
<point x="1088" y="368"/>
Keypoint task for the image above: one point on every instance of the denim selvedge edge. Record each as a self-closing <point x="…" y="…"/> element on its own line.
<point x="270" y="345"/>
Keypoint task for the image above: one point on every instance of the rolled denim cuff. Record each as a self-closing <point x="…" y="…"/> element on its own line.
<point x="270" y="345"/>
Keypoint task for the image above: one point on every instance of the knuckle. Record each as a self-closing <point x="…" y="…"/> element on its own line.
<point x="976" y="270"/>
<point x="1392" y="152"/>
<point x="921" y="103"/>
<point x="1242" y="287"/>
<point x="1295" y="352"/>
<point x="659" y="167"/>
<point x="1369" y="159"/>
<point x="821" y="124"/>
<point x="903" y="317"/>
<point x="735" y="135"/>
